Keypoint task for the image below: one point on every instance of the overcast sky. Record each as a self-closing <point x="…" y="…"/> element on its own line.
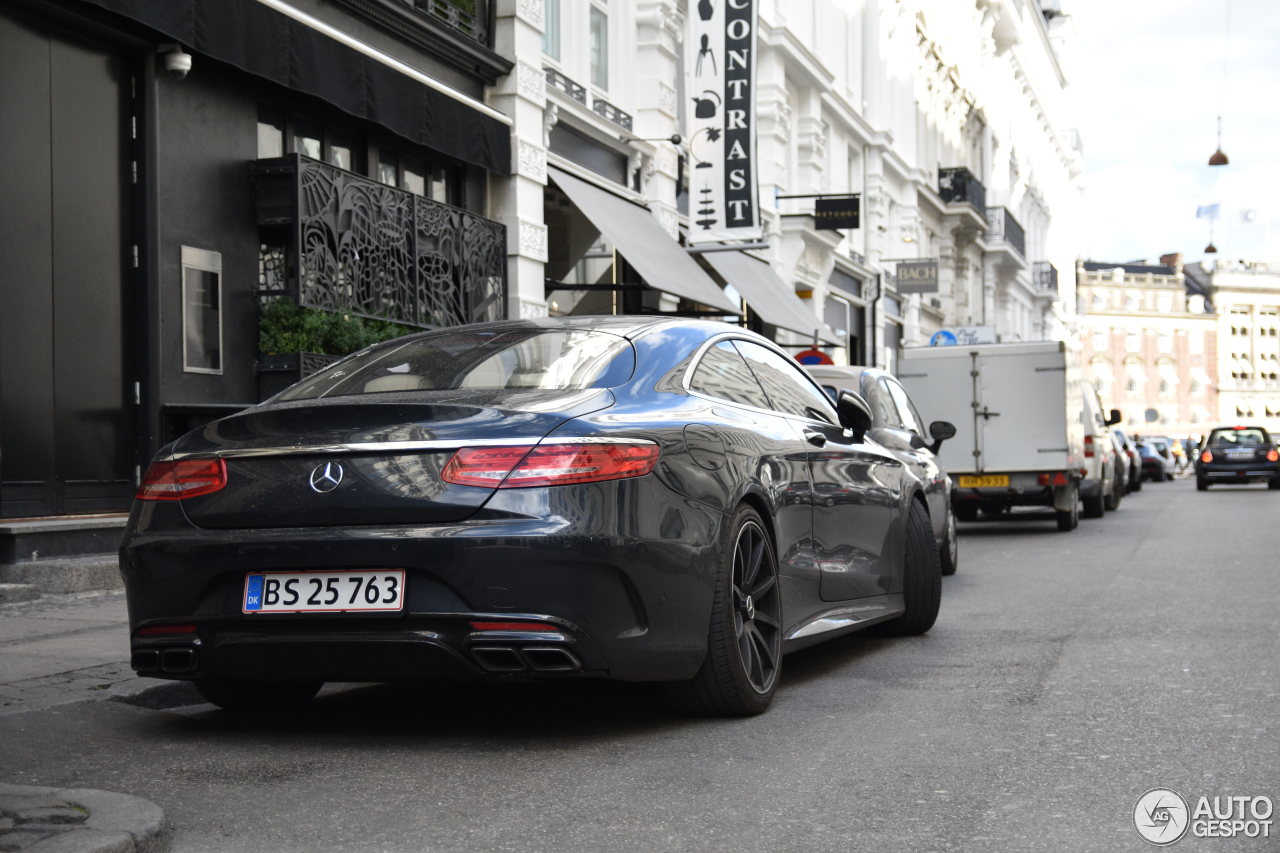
<point x="1148" y="85"/>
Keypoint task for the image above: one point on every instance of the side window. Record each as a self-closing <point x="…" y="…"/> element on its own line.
<point x="723" y="374"/>
<point x="883" y="412"/>
<point x="910" y="417"/>
<point x="790" y="390"/>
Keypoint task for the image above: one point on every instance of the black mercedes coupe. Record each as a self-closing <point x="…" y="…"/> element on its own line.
<point x="637" y="498"/>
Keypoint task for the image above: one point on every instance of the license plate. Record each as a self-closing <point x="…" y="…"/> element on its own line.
<point x="324" y="592"/>
<point x="1239" y="454"/>
<point x="984" y="481"/>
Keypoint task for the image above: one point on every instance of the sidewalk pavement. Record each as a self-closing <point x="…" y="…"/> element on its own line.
<point x="58" y="650"/>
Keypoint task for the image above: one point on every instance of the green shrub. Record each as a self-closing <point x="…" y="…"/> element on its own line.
<point x="288" y="327"/>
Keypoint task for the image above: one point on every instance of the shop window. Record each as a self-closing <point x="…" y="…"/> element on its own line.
<point x="270" y="133"/>
<point x="201" y="311"/>
<point x="415" y="176"/>
<point x="308" y="139"/>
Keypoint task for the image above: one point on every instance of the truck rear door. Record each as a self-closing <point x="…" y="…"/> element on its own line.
<point x="1019" y="414"/>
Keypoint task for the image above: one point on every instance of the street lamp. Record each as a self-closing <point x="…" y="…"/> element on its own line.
<point x="1218" y="158"/>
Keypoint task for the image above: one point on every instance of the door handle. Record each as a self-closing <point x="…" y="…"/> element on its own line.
<point x="815" y="438"/>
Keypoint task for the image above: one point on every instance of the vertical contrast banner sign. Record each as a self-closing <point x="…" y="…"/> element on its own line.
<point x="720" y="64"/>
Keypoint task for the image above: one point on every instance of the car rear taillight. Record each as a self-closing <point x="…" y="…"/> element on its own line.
<point x="1088" y="446"/>
<point x="549" y="464"/>
<point x="1207" y="456"/>
<point x="185" y="478"/>
<point x="1056" y="478"/>
<point x="1273" y="455"/>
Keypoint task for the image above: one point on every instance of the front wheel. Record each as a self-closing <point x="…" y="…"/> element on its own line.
<point x="949" y="550"/>
<point x="246" y="696"/>
<point x="921" y="579"/>
<point x="739" y="675"/>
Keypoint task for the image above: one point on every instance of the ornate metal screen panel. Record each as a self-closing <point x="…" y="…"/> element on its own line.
<point x="376" y="251"/>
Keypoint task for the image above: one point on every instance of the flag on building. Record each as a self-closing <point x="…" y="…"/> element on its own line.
<point x="1207" y="211"/>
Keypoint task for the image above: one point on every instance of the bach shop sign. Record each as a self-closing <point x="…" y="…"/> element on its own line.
<point x="720" y="64"/>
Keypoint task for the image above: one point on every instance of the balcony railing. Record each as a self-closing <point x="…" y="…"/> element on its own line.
<point x="602" y="107"/>
<point x="467" y="17"/>
<point x="1045" y="276"/>
<point x="564" y="84"/>
<point x="1002" y="226"/>
<point x="959" y="185"/>
<point x="354" y="245"/>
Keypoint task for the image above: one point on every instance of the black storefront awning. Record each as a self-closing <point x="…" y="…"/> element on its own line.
<point x="660" y="260"/>
<point x="267" y="43"/>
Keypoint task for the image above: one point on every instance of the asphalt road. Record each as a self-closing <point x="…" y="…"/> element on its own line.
<point x="1067" y="675"/>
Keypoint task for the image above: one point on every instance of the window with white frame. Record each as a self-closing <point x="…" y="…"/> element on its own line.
<point x="551" y="28"/>
<point x="201" y="311"/>
<point x="599" y="46"/>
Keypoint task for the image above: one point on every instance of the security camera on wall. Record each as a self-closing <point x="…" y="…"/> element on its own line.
<point x="177" y="62"/>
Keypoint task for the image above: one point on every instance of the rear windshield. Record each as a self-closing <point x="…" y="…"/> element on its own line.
<point x="530" y="359"/>
<point x="1246" y="437"/>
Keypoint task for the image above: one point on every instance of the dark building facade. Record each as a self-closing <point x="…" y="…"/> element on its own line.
<point x="172" y="165"/>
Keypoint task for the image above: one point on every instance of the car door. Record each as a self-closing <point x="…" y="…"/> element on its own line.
<point x="903" y="432"/>
<point x="857" y="486"/>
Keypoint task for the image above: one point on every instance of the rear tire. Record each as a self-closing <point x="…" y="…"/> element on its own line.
<point x="246" y="696"/>
<point x="1094" y="507"/>
<point x="1069" y="520"/>
<point x="1273" y="483"/>
<point x="1202" y="485"/>
<point x="949" y="550"/>
<point x="921" y="579"/>
<point x="1136" y="485"/>
<point x="967" y="513"/>
<point x="739" y="675"/>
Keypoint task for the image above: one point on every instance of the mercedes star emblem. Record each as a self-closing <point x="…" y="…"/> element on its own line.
<point x="326" y="477"/>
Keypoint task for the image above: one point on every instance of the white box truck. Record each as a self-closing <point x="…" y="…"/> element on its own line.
<point x="1020" y="433"/>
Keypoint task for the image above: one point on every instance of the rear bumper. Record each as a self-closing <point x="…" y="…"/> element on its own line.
<point x="1250" y="472"/>
<point x="628" y="599"/>
<point x="1024" y="489"/>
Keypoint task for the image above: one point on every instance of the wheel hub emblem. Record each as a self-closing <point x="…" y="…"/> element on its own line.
<point x="748" y="607"/>
<point x="326" y="477"/>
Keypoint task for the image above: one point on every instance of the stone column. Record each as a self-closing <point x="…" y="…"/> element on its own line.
<point x="517" y="201"/>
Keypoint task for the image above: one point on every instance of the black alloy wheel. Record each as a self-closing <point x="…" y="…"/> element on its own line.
<point x="246" y="696"/>
<point x="744" y="646"/>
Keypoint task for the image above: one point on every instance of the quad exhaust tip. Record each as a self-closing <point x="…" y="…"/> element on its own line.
<point x="526" y="658"/>
<point x="174" y="660"/>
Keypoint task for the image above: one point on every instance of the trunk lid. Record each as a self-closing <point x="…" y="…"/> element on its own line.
<point x="341" y="462"/>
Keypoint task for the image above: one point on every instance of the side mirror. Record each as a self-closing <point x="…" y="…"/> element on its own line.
<point x="940" y="431"/>
<point x="854" y="413"/>
<point x="1115" y="418"/>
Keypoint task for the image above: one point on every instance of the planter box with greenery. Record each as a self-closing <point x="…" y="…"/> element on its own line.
<point x="296" y="341"/>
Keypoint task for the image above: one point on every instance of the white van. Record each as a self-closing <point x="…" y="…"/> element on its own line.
<point x="1020" y="415"/>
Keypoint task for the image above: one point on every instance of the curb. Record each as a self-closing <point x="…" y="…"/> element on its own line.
<point x="79" y="820"/>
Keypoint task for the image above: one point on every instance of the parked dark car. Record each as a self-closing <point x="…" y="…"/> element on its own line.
<point x="646" y="499"/>
<point x="897" y="425"/>
<point x="1134" y="459"/>
<point x="1156" y="465"/>
<point x="1238" y="454"/>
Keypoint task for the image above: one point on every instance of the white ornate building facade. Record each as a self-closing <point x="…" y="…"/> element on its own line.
<point x="947" y="117"/>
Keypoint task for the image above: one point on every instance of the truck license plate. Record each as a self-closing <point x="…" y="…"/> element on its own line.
<point x="984" y="481"/>
<point x="324" y="592"/>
